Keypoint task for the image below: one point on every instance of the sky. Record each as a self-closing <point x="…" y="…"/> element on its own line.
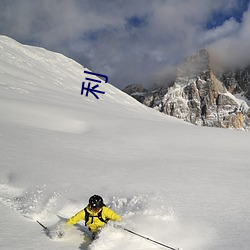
<point x="133" y="41"/>
<point x="182" y="185"/>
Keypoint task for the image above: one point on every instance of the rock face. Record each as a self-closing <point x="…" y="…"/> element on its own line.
<point x="237" y="81"/>
<point x="201" y="97"/>
<point x="137" y="91"/>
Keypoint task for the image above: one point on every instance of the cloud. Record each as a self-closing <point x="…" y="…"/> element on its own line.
<point x="130" y="41"/>
<point x="228" y="28"/>
<point x="233" y="49"/>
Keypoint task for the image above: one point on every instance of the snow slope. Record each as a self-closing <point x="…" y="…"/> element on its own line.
<point x="176" y="183"/>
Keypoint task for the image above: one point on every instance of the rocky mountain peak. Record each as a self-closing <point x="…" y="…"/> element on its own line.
<point x="196" y="64"/>
<point x="202" y="97"/>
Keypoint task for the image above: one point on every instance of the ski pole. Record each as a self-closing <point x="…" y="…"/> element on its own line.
<point x="146" y="238"/>
<point x="45" y="228"/>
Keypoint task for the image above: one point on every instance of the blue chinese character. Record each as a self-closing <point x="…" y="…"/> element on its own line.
<point x="93" y="89"/>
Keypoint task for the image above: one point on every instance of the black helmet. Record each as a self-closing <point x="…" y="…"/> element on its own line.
<point x="95" y="202"/>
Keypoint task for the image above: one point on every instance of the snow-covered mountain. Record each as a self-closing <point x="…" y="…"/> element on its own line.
<point x="202" y="96"/>
<point x="182" y="185"/>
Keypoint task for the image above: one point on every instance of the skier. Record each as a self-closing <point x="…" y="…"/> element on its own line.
<point x="95" y="214"/>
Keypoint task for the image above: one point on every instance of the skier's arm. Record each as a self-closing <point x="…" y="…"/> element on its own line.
<point x="110" y="214"/>
<point x="77" y="217"/>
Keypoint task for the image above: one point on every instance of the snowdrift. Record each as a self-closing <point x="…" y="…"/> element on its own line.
<point x="182" y="185"/>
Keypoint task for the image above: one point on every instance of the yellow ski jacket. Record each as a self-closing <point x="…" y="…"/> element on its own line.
<point x="94" y="223"/>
